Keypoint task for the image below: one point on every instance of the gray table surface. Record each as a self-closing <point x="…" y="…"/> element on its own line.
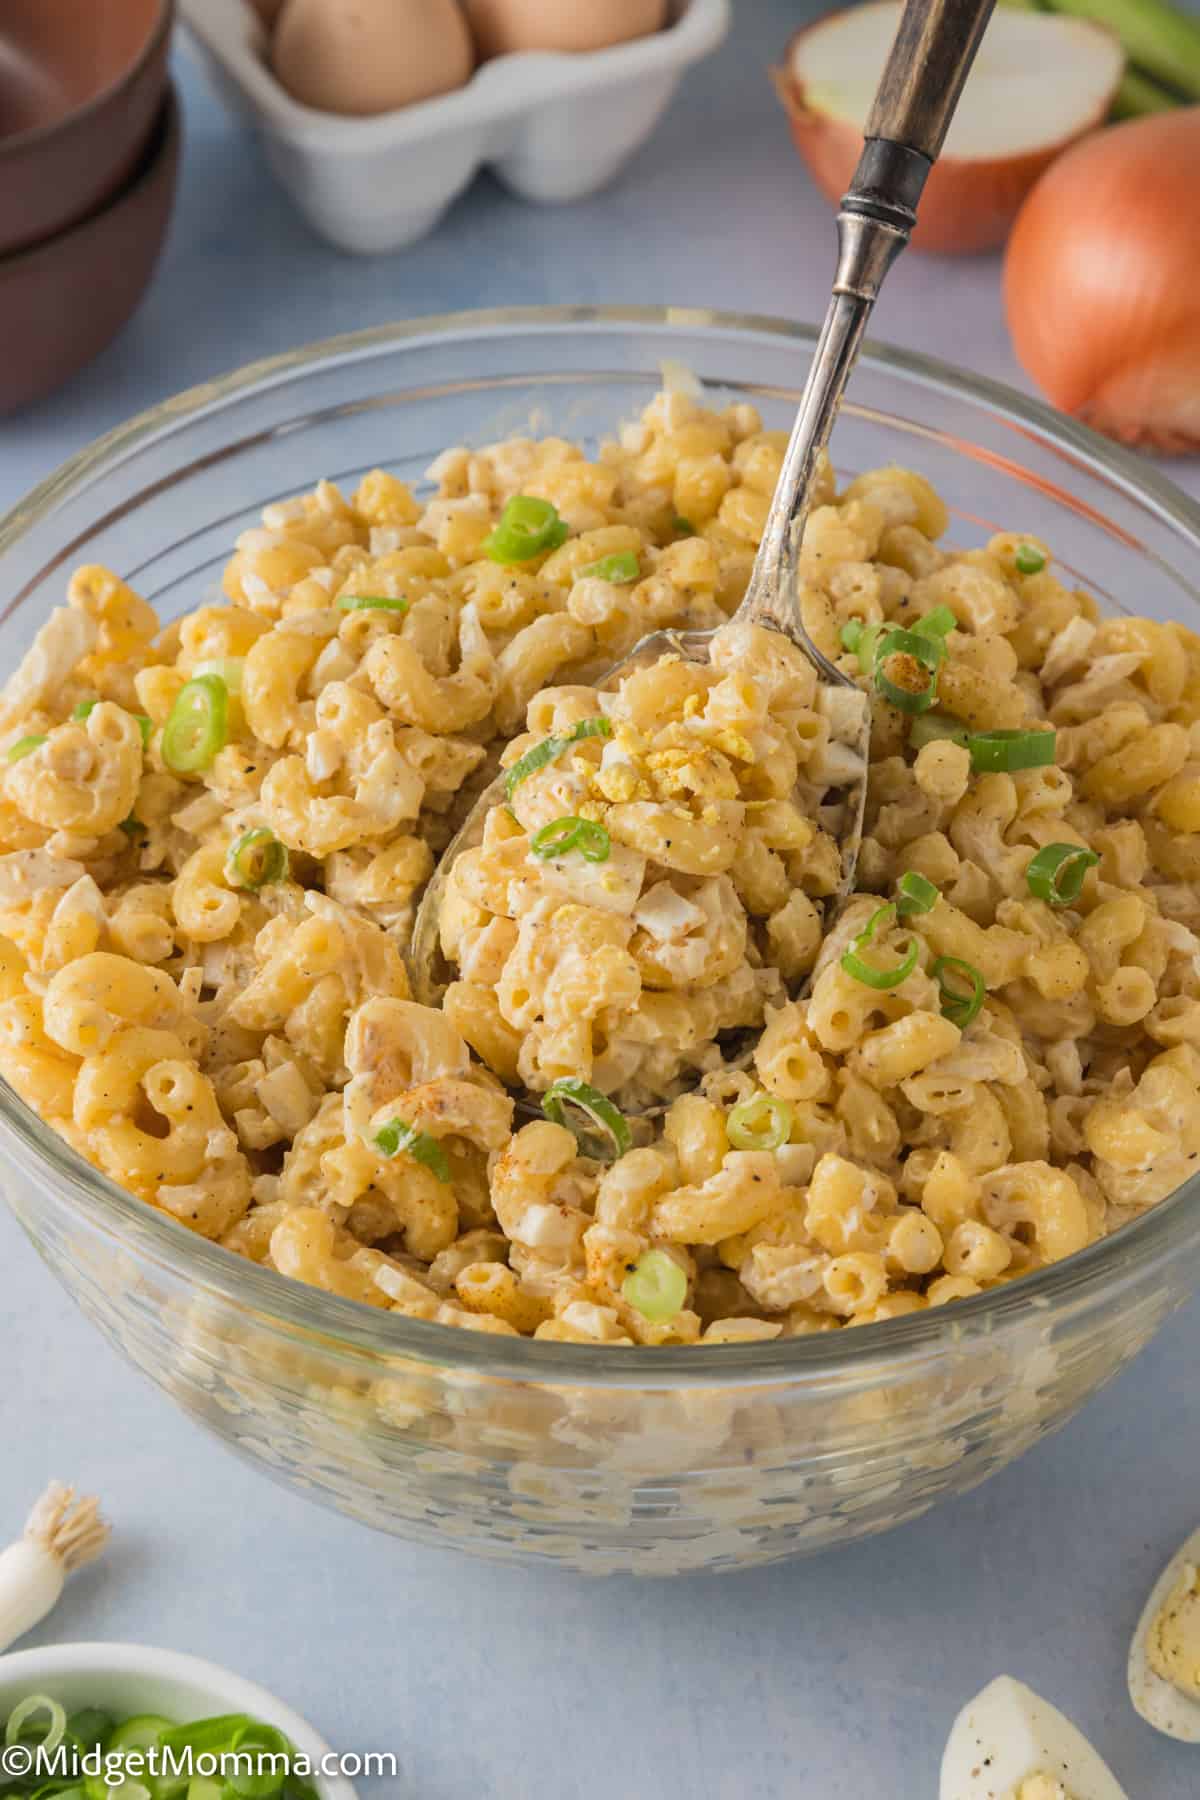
<point x="833" y="1679"/>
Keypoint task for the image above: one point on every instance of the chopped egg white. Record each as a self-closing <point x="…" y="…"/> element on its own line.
<point x="610" y="886"/>
<point x="1164" y="1657"/>
<point x="666" y="914"/>
<point x="677" y="378"/>
<point x="1010" y="1744"/>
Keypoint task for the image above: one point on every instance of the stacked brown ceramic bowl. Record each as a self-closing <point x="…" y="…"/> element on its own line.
<point x="89" y="143"/>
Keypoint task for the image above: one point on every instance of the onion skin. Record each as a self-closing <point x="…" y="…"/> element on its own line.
<point x="1102" y="282"/>
<point x="967" y="206"/>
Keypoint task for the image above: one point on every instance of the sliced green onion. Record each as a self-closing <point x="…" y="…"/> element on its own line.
<point x="86" y="708"/>
<point x="916" y="894"/>
<point x="880" y="919"/>
<point x="868" y="640"/>
<point x="549" y="749"/>
<point x="867" y="973"/>
<point x="1006" y="751"/>
<point x="197" y="726"/>
<point x="622" y="567"/>
<point x="935" y="728"/>
<point x="761" y="1123"/>
<point x="116" y="1783"/>
<point x="1057" y="873"/>
<point x="370" y="603"/>
<point x="958" y="1006"/>
<point x="881" y="979"/>
<point x="527" y="528"/>
<point x="588" y="728"/>
<point x="204" y="1735"/>
<point x="28" y="1709"/>
<point x="556" y="839"/>
<point x="1029" y="559"/>
<point x="258" y="859"/>
<point x="656" y="1287"/>
<point x="930" y="652"/>
<point x="682" y="527"/>
<point x="597" y="1107"/>
<point x="851" y="634"/>
<point x="532" y="761"/>
<point x="398" y="1135"/>
<point x="939" y="623"/>
<point x="256" y="1742"/>
<point x="132" y="827"/>
<point x="228" y="669"/>
<point x="140" y="1732"/>
<point x="24" y="747"/>
<point x="90" y="1728"/>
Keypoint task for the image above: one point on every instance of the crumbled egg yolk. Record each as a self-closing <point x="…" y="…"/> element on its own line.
<point x="732" y="743"/>
<point x="1173" y="1640"/>
<point x="685" y="762"/>
<point x="721" y="737"/>
<point x="1041" y="1787"/>
<point x="698" y="771"/>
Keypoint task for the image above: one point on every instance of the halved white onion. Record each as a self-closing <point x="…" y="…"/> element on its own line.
<point x="1040" y="81"/>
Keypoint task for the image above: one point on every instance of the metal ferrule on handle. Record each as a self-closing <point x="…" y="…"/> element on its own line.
<point x="877" y="215"/>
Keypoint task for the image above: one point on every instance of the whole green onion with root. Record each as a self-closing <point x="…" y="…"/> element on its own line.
<point x="62" y="1534"/>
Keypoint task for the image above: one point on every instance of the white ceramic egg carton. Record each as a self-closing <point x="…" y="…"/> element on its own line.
<point x="553" y="127"/>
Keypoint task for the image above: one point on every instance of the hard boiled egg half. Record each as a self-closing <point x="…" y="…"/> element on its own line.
<point x="1164" y="1658"/>
<point x="1010" y="1744"/>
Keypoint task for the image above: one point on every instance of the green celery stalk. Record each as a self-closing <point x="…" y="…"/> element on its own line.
<point x="1158" y="38"/>
<point x="1138" y="95"/>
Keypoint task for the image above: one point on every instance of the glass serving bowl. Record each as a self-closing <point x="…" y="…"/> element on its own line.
<point x="663" y="1460"/>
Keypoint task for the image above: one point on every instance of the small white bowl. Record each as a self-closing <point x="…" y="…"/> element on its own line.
<point x="126" y="1679"/>
<point x="553" y="127"/>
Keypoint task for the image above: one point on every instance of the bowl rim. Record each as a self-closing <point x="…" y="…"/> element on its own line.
<point x="339" y="1326"/>
<point x="21" y="141"/>
<point x="50" y="1661"/>
<point x="158" y="151"/>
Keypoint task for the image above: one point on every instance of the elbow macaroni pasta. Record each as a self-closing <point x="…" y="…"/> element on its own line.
<point x="245" y="1056"/>
<point x="625" y="963"/>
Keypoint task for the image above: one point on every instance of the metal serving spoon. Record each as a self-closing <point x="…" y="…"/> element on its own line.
<point x="921" y="84"/>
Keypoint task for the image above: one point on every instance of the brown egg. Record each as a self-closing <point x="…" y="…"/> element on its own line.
<point x="370" y="56"/>
<point x="268" y="11"/>
<point x="501" y="26"/>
